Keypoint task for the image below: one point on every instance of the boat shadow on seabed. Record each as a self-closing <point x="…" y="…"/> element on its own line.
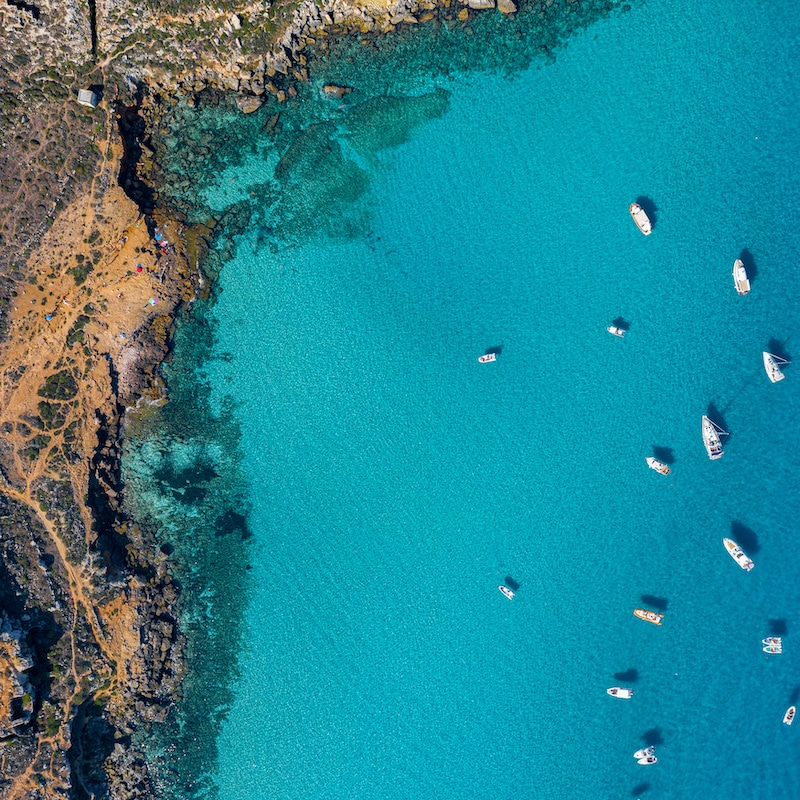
<point x="666" y="455"/>
<point x="659" y="603"/>
<point x="745" y="537"/>
<point x="640" y="788"/>
<point x="628" y="676"/>
<point x="778" y="348"/>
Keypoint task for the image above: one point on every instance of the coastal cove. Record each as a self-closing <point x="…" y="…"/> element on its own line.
<point x="341" y="486"/>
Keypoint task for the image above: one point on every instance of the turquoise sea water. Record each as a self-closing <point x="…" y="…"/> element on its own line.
<point x="390" y="482"/>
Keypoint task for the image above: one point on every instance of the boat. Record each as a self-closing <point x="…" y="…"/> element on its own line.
<point x="738" y="555"/>
<point x="615" y="331"/>
<point x="487" y="358"/>
<point x="648" y="616"/>
<point x="648" y="760"/>
<point x="773" y="649"/>
<point x="773" y="640"/>
<point x="506" y="591"/>
<point x="658" y="466"/>
<point x="618" y="691"/>
<point x="772" y="364"/>
<point x="788" y="717"/>
<point x="645" y="752"/>
<point x="641" y="219"/>
<point x="711" y="434"/>
<point x="740" y="279"/>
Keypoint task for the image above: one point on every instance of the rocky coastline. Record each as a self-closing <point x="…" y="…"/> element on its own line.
<point x="95" y="264"/>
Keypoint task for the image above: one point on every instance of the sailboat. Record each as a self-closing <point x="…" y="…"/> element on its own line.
<point x="772" y="364"/>
<point x="711" y="434"/>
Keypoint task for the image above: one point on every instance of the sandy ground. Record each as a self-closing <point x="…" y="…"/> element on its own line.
<point x="117" y="297"/>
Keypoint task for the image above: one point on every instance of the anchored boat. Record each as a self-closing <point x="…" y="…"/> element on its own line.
<point x="658" y="466"/>
<point x="788" y="717"/>
<point x="641" y="219"/>
<point x="618" y="691"/>
<point x="711" y="434"/>
<point x="772" y="640"/>
<point x="615" y="331"/>
<point x="738" y="555"/>
<point x="648" y="616"/>
<point x="506" y="591"/>
<point x="645" y="752"/>
<point x="772" y="364"/>
<point x="740" y="279"/>
<point x="487" y="357"/>
<point x="774" y="649"/>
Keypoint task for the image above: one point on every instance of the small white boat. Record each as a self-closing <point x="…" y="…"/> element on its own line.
<point x="615" y="331"/>
<point x="776" y="640"/>
<point x="711" y="434"/>
<point x="648" y="760"/>
<point x="648" y="616"/>
<point x="658" y="466"/>
<point x="487" y="358"/>
<point x="788" y="717"/>
<point x="772" y="364"/>
<point x="738" y="555"/>
<point x="641" y="219"/>
<point x="773" y="649"/>
<point x="506" y="591"/>
<point x="618" y="691"/>
<point x="645" y="752"/>
<point x="740" y="279"/>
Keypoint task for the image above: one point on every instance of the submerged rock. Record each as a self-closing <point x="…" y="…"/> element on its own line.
<point x="334" y="92"/>
<point x="249" y="104"/>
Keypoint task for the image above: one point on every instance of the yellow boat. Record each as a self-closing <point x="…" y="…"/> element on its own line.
<point x="648" y="616"/>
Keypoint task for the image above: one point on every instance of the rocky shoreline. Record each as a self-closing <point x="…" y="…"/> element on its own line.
<point x="91" y="645"/>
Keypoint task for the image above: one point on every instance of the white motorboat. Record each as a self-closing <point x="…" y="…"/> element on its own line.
<point x="773" y="649"/>
<point x="641" y="219"/>
<point x="487" y="358"/>
<point x="615" y="331"/>
<point x="645" y="752"/>
<point x="738" y="555"/>
<point x="711" y="438"/>
<point x="658" y="466"/>
<point x="648" y="760"/>
<point x="772" y="365"/>
<point x="618" y="691"/>
<point x="506" y="591"/>
<point x="788" y="717"/>
<point x="775" y="640"/>
<point x="740" y="279"/>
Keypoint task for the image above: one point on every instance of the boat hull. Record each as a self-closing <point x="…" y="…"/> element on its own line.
<point x="658" y="466"/>
<point x="487" y="358"/>
<point x="711" y="440"/>
<point x="772" y="368"/>
<point x="506" y="592"/>
<point x="740" y="279"/>
<point x="648" y="616"/>
<point x="788" y="717"/>
<point x="620" y="692"/>
<point x="641" y="219"/>
<point x="738" y="555"/>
